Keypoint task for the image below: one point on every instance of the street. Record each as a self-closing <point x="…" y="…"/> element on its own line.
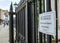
<point x="4" y="34"/>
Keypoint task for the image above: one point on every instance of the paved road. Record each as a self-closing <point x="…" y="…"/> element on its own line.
<point x="4" y="34"/>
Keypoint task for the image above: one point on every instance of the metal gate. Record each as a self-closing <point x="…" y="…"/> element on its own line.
<point x="27" y="22"/>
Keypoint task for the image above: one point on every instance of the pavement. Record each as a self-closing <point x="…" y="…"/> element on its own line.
<point x="59" y="34"/>
<point x="4" y="33"/>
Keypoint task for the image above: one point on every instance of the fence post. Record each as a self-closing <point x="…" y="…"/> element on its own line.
<point x="11" y="32"/>
<point x="40" y="11"/>
<point x="56" y="21"/>
<point x="30" y="22"/>
<point x="48" y="8"/>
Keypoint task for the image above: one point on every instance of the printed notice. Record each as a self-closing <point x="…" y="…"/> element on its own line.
<point x="47" y="23"/>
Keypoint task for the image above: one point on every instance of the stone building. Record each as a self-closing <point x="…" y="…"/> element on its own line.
<point x="3" y="14"/>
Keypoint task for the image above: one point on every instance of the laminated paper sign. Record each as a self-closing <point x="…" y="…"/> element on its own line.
<point x="47" y="23"/>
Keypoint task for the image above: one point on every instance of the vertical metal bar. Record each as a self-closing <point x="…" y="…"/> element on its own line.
<point x="11" y="32"/>
<point x="37" y="12"/>
<point x="43" y="6"/>
<point x="33" y="12"/>
<point x="17" y="27"/>
<point x="40" y="6"/>
<point x="30" y="22"/>
<point x="40" y="37"/>
<point x="26" y="22"/>
<point x="44" y="38"/>
<point x="35" y="22"/>
<point x="56" y="21"/>
<point x="48" y="7"/>
<point x="40" y="11"/>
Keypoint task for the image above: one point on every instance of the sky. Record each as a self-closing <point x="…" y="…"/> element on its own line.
<point x="5" y="4"/>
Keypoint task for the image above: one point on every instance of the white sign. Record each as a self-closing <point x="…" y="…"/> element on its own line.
<point x="47" y="23"/>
